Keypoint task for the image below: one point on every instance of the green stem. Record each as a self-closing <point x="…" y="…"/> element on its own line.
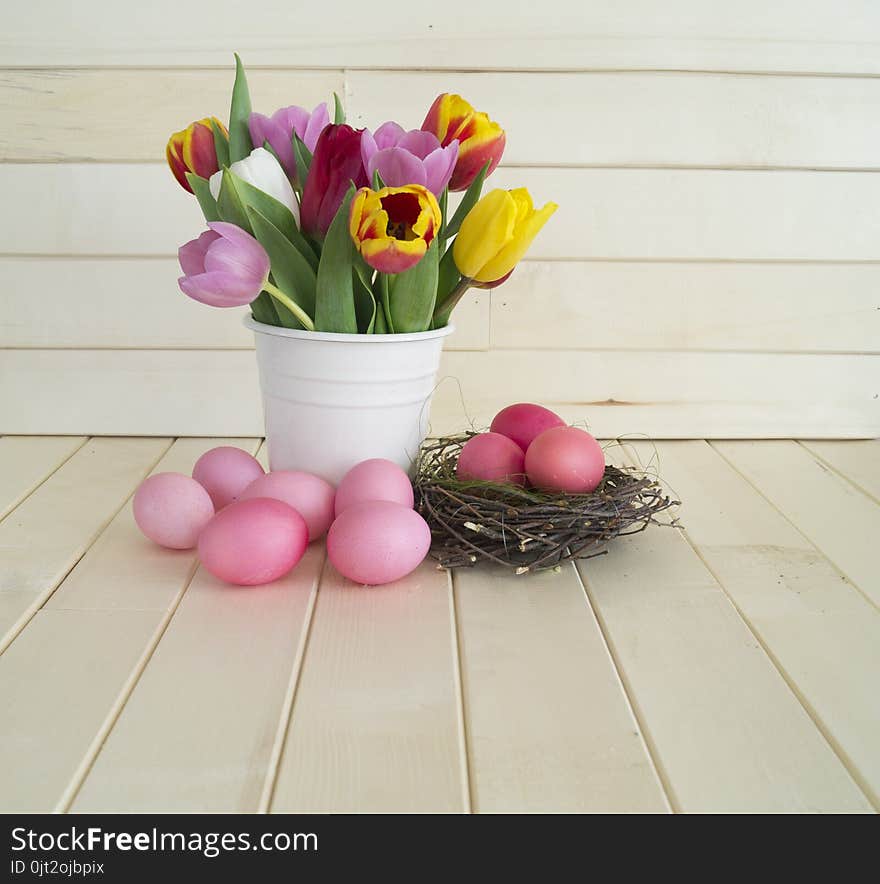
<point x="291" y="305"/>
<point x="448" y="304"/>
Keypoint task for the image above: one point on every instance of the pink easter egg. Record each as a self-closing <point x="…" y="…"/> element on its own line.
<point x="375" y="479"/>
<point x="565" y="459"/>
<point x="225" y="472"/>
<point x="254" y="541"/>
<point x="491" y="457"/>
<point x="378" y="541"/>
<point x="311" y="496"/>
<point x="524" y="422"/>
<point x="172" y="509"/>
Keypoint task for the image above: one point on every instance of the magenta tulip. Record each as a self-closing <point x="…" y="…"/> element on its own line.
<point x="224" y="267"/>
<point x="279" y="128"/>
<point x="336" y="164"/>
<point x="403" y="158"/>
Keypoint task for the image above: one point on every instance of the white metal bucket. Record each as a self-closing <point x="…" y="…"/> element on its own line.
<point x="333" y="400"/>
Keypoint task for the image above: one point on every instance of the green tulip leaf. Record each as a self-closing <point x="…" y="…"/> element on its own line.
<point x="202" y="191"/>
<point x="338" y="110"/>
<point x="303" y="158"/>
<point x="221" y="145"/>
<point x="263" y="309"/>
<point x="381" y="327"/>
<point x="378" y="183"/>
<point x="229" y="202"/>
<point x="443" y="202"/>
<point x="414" y="293"/>
<point x="334" y="297"/>
<point x="364" y="304"/>
<point x="468" y="201"/>
<point x="291" y="271"/>
<point x="385" y="296"/>
<point x="240" y="145"/>
<point x="275" y="212"/>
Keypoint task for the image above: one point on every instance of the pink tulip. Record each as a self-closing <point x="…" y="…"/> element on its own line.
<point x="403" y="158"/>
<point x="224" y="267"/>
<point x="279" y="128"/>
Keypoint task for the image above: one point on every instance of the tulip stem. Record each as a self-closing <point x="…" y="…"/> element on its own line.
<point x="291" y="305"/>
<point x="448" y="304"/>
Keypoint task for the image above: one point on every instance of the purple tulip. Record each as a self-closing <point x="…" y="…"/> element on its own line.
<point x="414" y="157"/>
<point x="224" y="267"/>
<point x="279" y="128"/>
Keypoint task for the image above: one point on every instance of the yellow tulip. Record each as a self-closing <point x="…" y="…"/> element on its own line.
<point x="496" y="234"/>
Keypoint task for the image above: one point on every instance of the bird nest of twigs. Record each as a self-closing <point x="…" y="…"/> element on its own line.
<point x="527" y="529"/>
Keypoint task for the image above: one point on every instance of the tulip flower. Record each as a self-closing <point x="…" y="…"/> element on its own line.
<point x="480" y="140"/>
<point x="227" y="267"/>
<point x="263" y="171"/>
<point x="279" y="128"/>
<point x="336" y="164"/>
<point x="393" y="227"/>
<point x="496" y="233"/>
<point x="193" y="150"/>
<point x="414" y="157"/>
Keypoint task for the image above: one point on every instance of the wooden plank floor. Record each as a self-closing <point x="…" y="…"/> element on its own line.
<point x="729" y="666"/>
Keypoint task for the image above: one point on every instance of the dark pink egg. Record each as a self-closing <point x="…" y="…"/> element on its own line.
<point x="491" y="457"/>
<point x="524" y="422"/>
<point x="254" y="541"/>
<point x="565" y="459"/>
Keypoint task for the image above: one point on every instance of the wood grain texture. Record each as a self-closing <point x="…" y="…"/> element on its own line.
<point x="664" y="395"/>
<point x="802" y="609"/>
<point x="136" y="303"/>
<point x="682" y="119"/>
<point x="204" y="743"/>
<point x="721" y="721"/>
<point x="534" y="662"/>
<point x="818" y="35"/>
<point x="59" y="680"/>
<point x="26" y="461"/>
<point x="823" y="505"/>
<point x="376" y="719"/>
<point x="857" y="461"/>
<point x="688" y="306"/>
<point x="57" y="114"/>
<point x="52" y="528"/>
<point x="604" y="213"/>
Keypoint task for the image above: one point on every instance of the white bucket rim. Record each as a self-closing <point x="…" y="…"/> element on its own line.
<point x="305" y="335"/>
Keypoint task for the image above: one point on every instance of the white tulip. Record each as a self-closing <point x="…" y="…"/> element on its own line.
<point x="264" y="172"/>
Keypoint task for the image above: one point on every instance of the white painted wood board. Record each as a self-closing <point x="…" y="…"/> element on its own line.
<point x="818" y="628"/>
<point x="857" y="461"/>
<point x="27" y="461"/>
<point x="533" y="663"/>
<point x="723" y="726"/>
<point x="104" y="115"/>
<point x="818" y="35"/>
<point x="661" y="394"/>
<point x="629" y="118"/>
<point x="205" y="743"/>
<point x="376" y="722"/>
<point x="825" y="506"/>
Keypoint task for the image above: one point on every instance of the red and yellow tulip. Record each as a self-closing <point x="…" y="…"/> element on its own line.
<point x="393" y="227"/>
<point x="480" y="140"/>
<point x="193" y="150"/>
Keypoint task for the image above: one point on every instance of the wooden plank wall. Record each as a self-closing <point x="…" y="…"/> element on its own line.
<point x="713" y="271"/>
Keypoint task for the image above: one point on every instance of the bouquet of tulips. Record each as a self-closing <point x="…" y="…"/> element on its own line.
<point x="322" y="227"/>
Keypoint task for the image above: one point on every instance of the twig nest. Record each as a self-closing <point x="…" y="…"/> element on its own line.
<point x="526" y="529"/>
